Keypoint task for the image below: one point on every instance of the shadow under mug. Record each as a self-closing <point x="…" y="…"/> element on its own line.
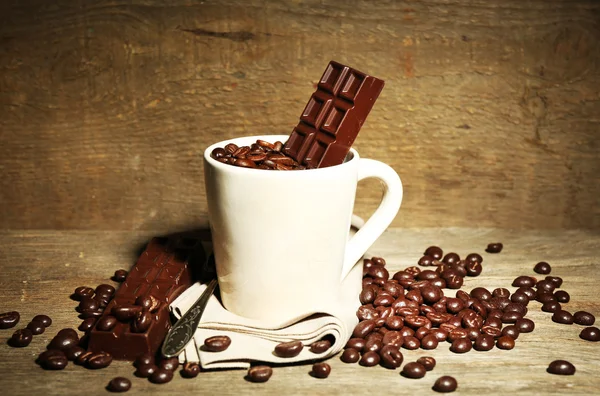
<point x="281" y="238"/>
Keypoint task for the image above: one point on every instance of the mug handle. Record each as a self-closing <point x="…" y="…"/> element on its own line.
<point x="383" y="215"/>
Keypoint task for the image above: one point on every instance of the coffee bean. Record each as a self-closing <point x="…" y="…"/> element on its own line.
<point x="106" y="323"/>
<point x="378" y="271"/>
<point x="170" y="364"/>
<point x="446" y="383"/>
<point x="461" y="345"/>
<point x="64" y="339"/>
<point x="516" y="307"/>
<point x="562" y="296"/>
<point x="92" y="314"/>
<point x="451" y="258"/>
<point x="426" y="261"/>
<point x="83" y="292"/>
<point x="99" y="360"/>
<point x="481" y="293"/>
<point x="87" y="324"/>
<point x="259" y="373"/>
<point x="584" y="318"/>
<point x="74" y="352"/>
<point x="350" y="355"/>
<point x="321" y="370"/>
<point x="563" y="317"/>
<point x="355" y="343"/>
<point x="287" y="349"/>
<point x="83" y="358"/>
<point x="45" y="320"/>
<point x="520" y="298"/>
<point x="119" y="384"/>
<point x="393" y="338"/>
<point x="88" y="304"/>
<point x="590" y="334"/>
<point x="411" y="343"/>
<point x="320" y="346"/>
<point x="161" y="376"/>
<point x="427" y="361"/>
<point x="512" y="331"/>
<point x="413" y="370"/>
<point x="373" y="344"/>
<point x="125" y="312"/>
<point x="505" y="342"/>
<point x="145" y="370"/>
<point x="21" y="338"/>
<point x="542" y="268"/>
<point x="9" y="319"/>
<point x="369" y="359"/>
<point x="105" y="289"/>
<point x="145" y="358"/>
<point x="525" y="325"/>
<point x="190" y="370"/>
<point x="523" y="281"/>
<point x="430" y="341"/>
<point x="473" y="268"/>
<point x="545" y="297"/>
<point x="363" y="328"/>
<point x="435" y="252"/>
<point x="495" y="247"/>
<point x="53" y="360"/>
<point x="120" y="275"/>
<point x="36" y="327"/>
<point x="141" y="322"/>
<point x="421" y="332"/>
<point x="391" y="357"/>
<point x="484" y="342"/>
<point x="561" y="367"/>
<point x="556" y="280"/>
<point x="219" y="343"/>
<point x="551" y="306"/>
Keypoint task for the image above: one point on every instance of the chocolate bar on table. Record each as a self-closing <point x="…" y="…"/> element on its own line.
<point x="163" y="271"/>
<point x="333" y="116"/>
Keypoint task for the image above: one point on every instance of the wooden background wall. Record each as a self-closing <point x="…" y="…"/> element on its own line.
<point x="490" y="114"/>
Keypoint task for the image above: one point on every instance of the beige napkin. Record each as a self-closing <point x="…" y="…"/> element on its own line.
<point x="252" y="340"/>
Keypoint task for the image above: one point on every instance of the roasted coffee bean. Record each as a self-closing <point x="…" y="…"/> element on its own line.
<point x="219" y="152"/>
<point x="170" y="364"/>
<point x="74" y="352"/>
<point x="64" y="339"/>
<point x="363" y="328"/>
<point x="367" y="312"/>
<point x="525" y="325"/>
<point x="92" y="313"/>
<point x="88" y="304"/>
<point x="350" y="355"/>
<point x="493" y="321"/>
<point x="83" y="358"/>
<point x="99" y="360"/>
<point x="551" y="306"/>
<point x="145" y="370"/>
<point x="378" y="271"/>
<point x="45" y="320"/>
<point x="416" y="321"/>
<point x="124" y="313"/>
<point x="259" y="373"/>
<point x="406" y="332"/>
<point x="421" y="332"/>
<point x="320" y="346"/>
<point x="394" y="322"/>
<point x="435" y="252"/>
<point x="321" y="370"/>
<point x="146" y="358"/>
<point x="411" y="343"/>
<point x="451" y="258"/>
<point x="393" y="288"/>
<point x="36" y="327"/>
<point x="374" y="344"/>
<point x="9" y="319"/>
<point x="584" y="318"/>
<point x="511" y="317"/>
<point x="119" y="384"/>
<point x="391" y="357"/>
<point x="440" y="334"/>
<point x="523" y="281"/>
<point x="426" y="261"/>
<point x="556" y="280"/>
<point x="445" y="384"/>
<point x="505" y="342"/>
<point x="83" y="292"/>
<point x="454" y="281"/>
<point x="427" y="275"/>
<point x="431" y="294"/>
<point x="383" y="300"/>
<point x="439" y="282"/>
<point x="106" y="323"/>
<point x="87" y="324"/>
<point x="428" y="362"/>
<point x="219" y="343"/>
<point x="105" y="289"/>
<point x="590" y="334"/>
<point x="500" y="292"/>
<point x="53" y="360"/>
<point x="430" y="341"/>
<point x="461" y="345"/>
<point x="528" y="291"/>
<point x="484" y="342"/>
<point x="495" y="247"/>
<point x="161" y="376"/>
<point x="393" y="338"/>
<point x="459" y="269"/>
<point x="542" y="268"/>
<point x="190" y="370"/>
<point x="355" y="343"/>
<point x="545" y="297"/>
<point x="491" y="331"/>
<point x="369" y="359"/>
<point x="141" y="322"/>
<point x="21" y="338"/>
<point x="561" y="367"/>
<point x="562" y="296"/>
<point x="286" y="349"/>
<point x="545" y="285"/>
<point x="520" y="298"/>
<point x="473" y="268"/>
<point x="454" y="305"/>
<point x="516" y="307"/>
<point x="512" y="331"/>
<point x="120" y="275"/>
<point x="563" y="317"/>
<point x="374" y="336"/>
<point x="368" y="295"/>
<point x="413" y="370"/>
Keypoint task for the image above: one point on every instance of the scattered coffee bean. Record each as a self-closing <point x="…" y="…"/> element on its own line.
<point x="590" y="334"/>
<point x="259" y="373"/>
<point x="435" y="252"/>
<point x="355" y="343"/>
<point x="145" y="358"/>
<point x="45" y="320"/>
<point x="87" y="324"/>
<point x="36" y="327"/>
<point x="21" y="338"/>
<point x="551" y="306"/>
<point x="145" y="370"/>
<point x="445" y="384"/>
<point x="512" y="331"/>
<point x="320" y="346"/>
<point x="321" y="370"/>
<point x="413" y="370"/>
<point x="106" y="323"/>
<point x="556" y="280"/>
<point x="120" y="275"/>
<point x="391" y="357"/>
<point x="562" y="296"/>
<point x="428" y="362"/>
<point x="542" y="268"/>
<point x="119" y="384"/>
<point x="53" y="359"/>
<point x="495" y="247"/>
<point x="170" y="364"/>
<point x="430" y="341"/>
<point x="105" y="290"/>
<point x="561" y="367"/>
<point x="505" y="342"/>
<point x="88" y="304"/>
<point x="9" y="319"/>
<point x="461" y="345"/>
<point x="74" y="352"/>
<point x="99" y="360"/>
<point x="584" y="318"/>
<point x="83" y="292"/>
<point x="83" y="358"/>
<point x="525" y="325"/>
<point x="287" y="349"/>
<point x="484" y="342"/>
<point x="523" y="281"/>
<point x="563" y="317"/>
<point x="190" y="370"/>
<point x="369" y="359"/>
<point x="161" y="376"/>
<point x="350" y="355"/>
<point x="411" y="343"/>
<point x="64" y="339"/>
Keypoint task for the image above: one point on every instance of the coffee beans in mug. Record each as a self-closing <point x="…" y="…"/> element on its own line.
<point x="21" y="338"/>
<point x="445" y="384"/>
<point x="561" y="367"/>
<point x="259" y="373"/>
<point x="288" y="349"/>
<point x="413" y="370"/>
<point x="119" y="384"/>
<point x="9" y="319"/>
<point x="321" y="370"/>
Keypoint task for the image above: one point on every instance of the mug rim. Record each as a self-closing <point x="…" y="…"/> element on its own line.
<point x="232" y="168"/>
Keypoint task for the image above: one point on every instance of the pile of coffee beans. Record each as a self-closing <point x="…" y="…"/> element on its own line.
<point x="259" y="155"/>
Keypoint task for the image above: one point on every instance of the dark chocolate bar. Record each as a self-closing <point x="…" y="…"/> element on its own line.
<point x="163" y="271"/>
<point x="333" y="116"/>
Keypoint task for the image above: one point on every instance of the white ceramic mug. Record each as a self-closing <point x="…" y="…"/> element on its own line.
<point x="280" y="238"/>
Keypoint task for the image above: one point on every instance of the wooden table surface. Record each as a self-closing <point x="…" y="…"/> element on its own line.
<point x="41" y="268"/>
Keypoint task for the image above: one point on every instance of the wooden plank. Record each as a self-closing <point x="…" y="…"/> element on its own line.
<point x="490" y="112"/>
<point x="41" y="268"/>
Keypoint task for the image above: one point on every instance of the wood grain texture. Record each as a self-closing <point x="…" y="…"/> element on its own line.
<point x="490" y="112"/>
<point x="40" y="269"/>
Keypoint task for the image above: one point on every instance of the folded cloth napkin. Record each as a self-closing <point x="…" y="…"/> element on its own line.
<point x="253" y="340"/>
